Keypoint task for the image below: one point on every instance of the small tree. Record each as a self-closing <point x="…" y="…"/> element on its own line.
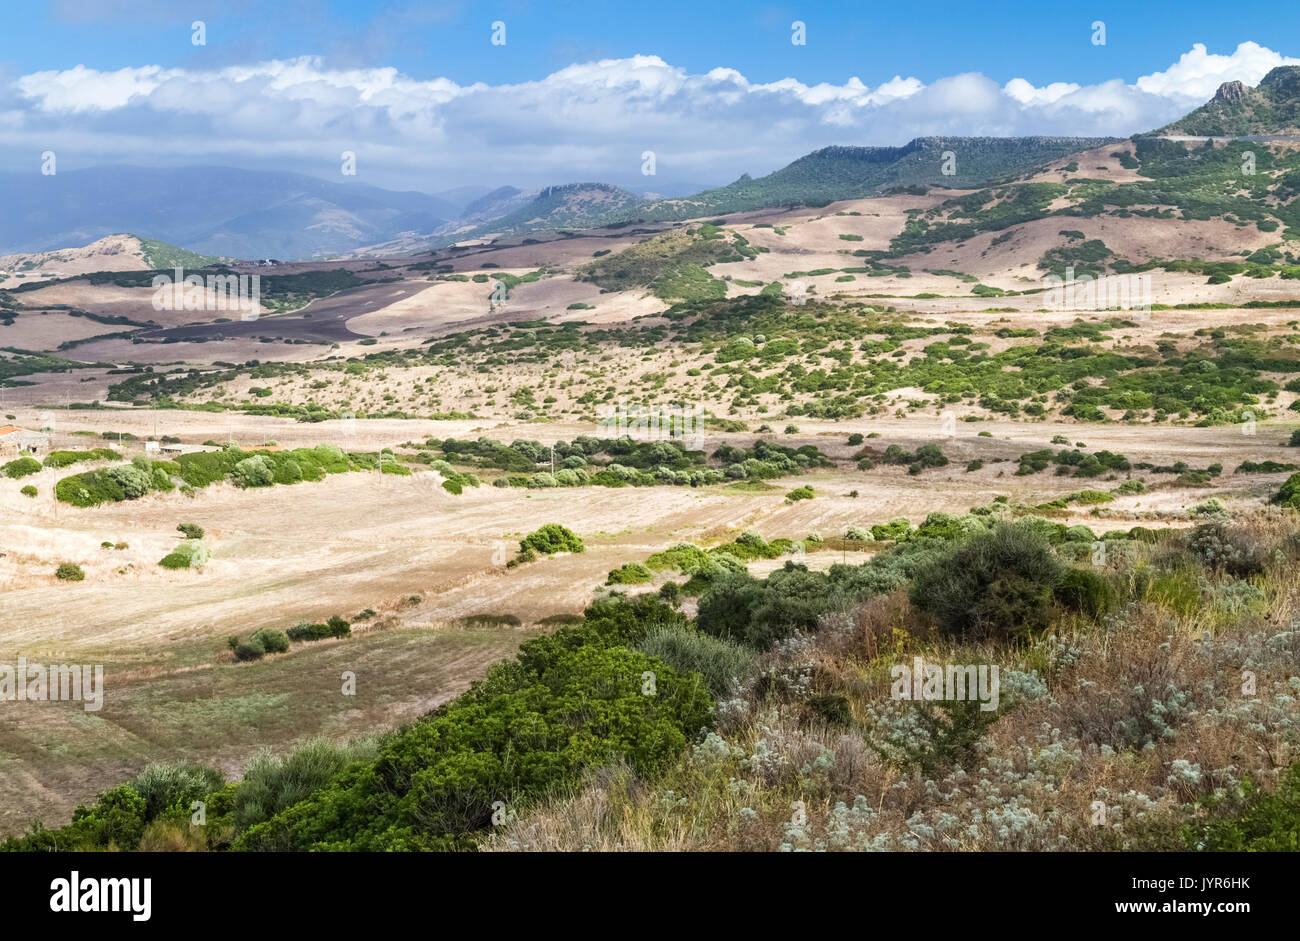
<point x="272" y="641"/>
<point x="252" y="650"/>
<point x="996" y="584"/>
<point x="550" y="539"/>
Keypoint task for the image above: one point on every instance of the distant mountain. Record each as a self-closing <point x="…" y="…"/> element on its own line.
<point x="210" y="210"/>
<point x="499" y="202"/>
<point x="462" y="196"/>
<point x="1236" y="110"/>
<point x="836" y="173"/>
<point x="821" y="177"/>
<point x="571" y="206"/>
<point x="236" y="213"/>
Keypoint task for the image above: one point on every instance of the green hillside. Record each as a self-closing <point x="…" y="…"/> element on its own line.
<point x="159" y="255"/>
<point x="672" y="264"/>
<point x="816" y="179"/>
<point x="1187" y="181"/>
<point x="835" y="173"/>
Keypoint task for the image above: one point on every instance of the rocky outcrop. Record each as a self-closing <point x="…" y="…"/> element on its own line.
<point x="1231" y="91"/>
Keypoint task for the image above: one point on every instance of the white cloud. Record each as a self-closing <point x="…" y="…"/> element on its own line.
<point x="1197" y="74"/>
<point x="83" y="89"/>
<point x="1027" y="94"/>
<point x="589" y="121"/>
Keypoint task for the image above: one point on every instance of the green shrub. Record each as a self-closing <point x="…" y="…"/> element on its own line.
<point x="134" y="481"/>
<point x="722" y="663"/>
<point x="1085" y="592"/>
<point x="760" y="613"/>
<point x="335" y="627"/>
<point x="1210" y="507"/>
<point x="1263" y="467"/>
<point x="183" y="556"/>
<point x="570" y="702"/>
<point x="897" y="529"/>
<point x="28" y="491"/>
<point x="69" y="572"/>
<point x="630" y="573"/>
<point x="832" y="708"/>
<point x="1079" y="533"/>
<point x="550" y="539"/>
<point x="255" y="471"/>
<point x="116" y="820"/>
<point x="174" y="786"/>
<point x="1254" y="821"/>
<point x="1144" y="534"/>
<point x="250" y="650"/>
<point x="272" y="783"/>
<point x="927" y="455"/>
<point x="1091" y="497"/>
<point x="1289" y="493"/>
<point x="272" y="641"/>
<point x="800" y="493"/>
<point x="671" y="592"/>
<point x="996" y="584"/>
<point x="88" y="489"/>
<point x="64" y="458"/>
<point x="22" y="467"/>
<point x="191" y="530"/>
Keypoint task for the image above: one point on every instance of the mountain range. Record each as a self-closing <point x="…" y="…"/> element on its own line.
<point x="227" y="212"/>
<point x="219" y="211"/>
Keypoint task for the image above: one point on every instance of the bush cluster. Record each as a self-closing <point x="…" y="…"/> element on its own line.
<point x="334" y="627"/>
<point x="201" y="469"/>
<point x="513" y="737"/>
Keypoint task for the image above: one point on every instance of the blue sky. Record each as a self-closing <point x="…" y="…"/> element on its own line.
<point x="580" y="90"/>
<point x="1039" y="40"/>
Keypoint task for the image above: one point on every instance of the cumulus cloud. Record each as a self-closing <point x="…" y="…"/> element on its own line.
<point x="1197" y="74"/>
<point x="588" y="121"/>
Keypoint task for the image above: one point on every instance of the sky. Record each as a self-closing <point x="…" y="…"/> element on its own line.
<point x="433" y="95"/>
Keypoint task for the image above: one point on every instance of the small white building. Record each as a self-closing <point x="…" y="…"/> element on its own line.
<point x="15" y="441"/>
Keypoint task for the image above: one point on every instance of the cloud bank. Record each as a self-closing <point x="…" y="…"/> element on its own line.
<point x="589" y="121"/>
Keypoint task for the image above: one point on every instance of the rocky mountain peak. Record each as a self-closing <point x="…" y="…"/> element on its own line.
<point x="1230" y="91"/>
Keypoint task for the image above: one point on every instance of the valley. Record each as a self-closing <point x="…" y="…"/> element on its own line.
<point x="869" y="376"/>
